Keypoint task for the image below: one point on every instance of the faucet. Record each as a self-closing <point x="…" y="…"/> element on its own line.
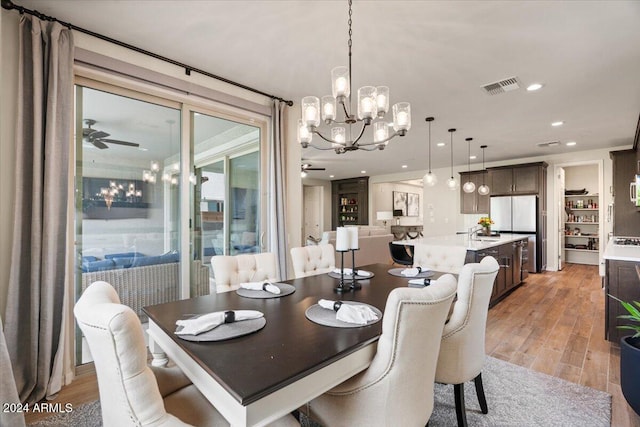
<point x="474" y="231"/>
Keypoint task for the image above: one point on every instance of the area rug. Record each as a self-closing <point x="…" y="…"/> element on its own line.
<point x="516" y="397"/>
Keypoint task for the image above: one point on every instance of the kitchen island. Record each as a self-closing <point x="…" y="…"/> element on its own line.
<point x="622" y="280"/>
<point x="510" y="250"/>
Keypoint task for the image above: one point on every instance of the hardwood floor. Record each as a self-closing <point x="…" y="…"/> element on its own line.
<point x="554" y="323"/>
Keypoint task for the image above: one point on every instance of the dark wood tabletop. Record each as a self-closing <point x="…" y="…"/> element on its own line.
<point x="290" y="346"/>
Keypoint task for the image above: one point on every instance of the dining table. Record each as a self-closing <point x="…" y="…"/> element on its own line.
<point x="255" y="379"/>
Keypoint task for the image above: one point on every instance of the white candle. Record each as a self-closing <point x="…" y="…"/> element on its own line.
<point x="342" y="239"/>
<point x="341" y="85"/>
<point x="367" y="105"/>
<point x="353" y="238"/>
<point x="328" y="110"/>
<point x="310" y="114"/>
<point x="403" y="119"/>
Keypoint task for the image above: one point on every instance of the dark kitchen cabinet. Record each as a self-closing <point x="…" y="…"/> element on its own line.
<point x="350" y="202"/>
<point x="507" y="255"/>
<point x="517" y="179"/>
<point x="474" y="203"/>
<point x="621" y="281"/>
<point x="626" y="217"/>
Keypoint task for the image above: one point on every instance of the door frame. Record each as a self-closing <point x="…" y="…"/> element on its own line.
<point x="601" y="211"/>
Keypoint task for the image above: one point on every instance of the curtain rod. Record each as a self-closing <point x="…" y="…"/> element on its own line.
<point x="9" y="5"/>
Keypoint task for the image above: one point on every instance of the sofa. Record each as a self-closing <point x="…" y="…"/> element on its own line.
<point x="143" y="280"/>
<point x="373" y="242"/>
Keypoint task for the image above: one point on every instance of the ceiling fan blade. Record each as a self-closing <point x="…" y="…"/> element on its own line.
<point x="117" y="141"/>
<point x="315" y="169"/>
<point x="99" y="144"/>
<point x="97" y="134"/>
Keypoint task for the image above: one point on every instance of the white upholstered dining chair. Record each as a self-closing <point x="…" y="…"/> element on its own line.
<point x="132" y="393"/>
<point x="448" y="259"/>
<point x="462" y="353"/>
<point x="397" y="388"/>
<point x="310" y="260"/>
<point x="230" y="271"/>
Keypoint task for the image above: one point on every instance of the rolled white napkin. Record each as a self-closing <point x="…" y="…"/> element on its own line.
<point x="209" y="321"/>
<point x="347" y="272"/>
<point x="414" y="271"/>
<point x="421" y="282"/>
<point x="261" y="286"/>
<point x="351" y="313"/>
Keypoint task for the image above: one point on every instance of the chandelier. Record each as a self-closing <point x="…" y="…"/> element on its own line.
<point x="372" y="106"/>
<point x="114" y="193"/>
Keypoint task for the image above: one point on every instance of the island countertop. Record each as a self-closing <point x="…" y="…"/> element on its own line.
<point x="475" y="244"/>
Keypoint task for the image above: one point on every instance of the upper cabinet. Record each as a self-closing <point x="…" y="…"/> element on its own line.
<point x="474" y="203"/>
<point x="350" y="202"/>
<point x="626" y="217"/>
<point x="518" y="179"/>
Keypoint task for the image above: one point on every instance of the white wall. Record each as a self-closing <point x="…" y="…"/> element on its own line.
<point x="381" y="199"/>
<point x="581" y="176"/>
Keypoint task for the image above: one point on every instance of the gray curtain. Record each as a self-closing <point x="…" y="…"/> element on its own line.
<point x="277" y="217"/>
<point x="34" y="314"/>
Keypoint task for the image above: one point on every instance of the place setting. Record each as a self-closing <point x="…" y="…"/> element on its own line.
<point x="220" y="325"/>
<point x="265" y="289"/>
<point x="343" y="314"/>
<point x="416" y="272"/>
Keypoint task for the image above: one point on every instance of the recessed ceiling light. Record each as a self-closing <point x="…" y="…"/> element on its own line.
<point x="363" y="171"/>
<point x="472" y="157"/>
<point x="558" y="123"/>
<point x="440" y="144"/>
<point x="143" y="149"/>
<point x="331" y="176"/>
<point x="534" y="86"/>
<point x="404" y="166"/>
<point x="571" y="143"/>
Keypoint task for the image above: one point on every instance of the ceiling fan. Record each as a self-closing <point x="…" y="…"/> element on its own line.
<point x="99" y="138"/>
<point x="307" y="167"/>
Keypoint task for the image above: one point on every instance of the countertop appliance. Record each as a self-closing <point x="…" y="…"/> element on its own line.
<point x="626" y="241"/>
<point x="518" y="215"/>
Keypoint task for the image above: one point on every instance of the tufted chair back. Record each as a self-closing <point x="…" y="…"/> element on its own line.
<point x="448" y="259"/>
<point x="462" y="353"/>
<point x="129" y="393"/>
<point x="397" y="387"/>
<point x="230" y="271"/>
<point x="310" y="260"/>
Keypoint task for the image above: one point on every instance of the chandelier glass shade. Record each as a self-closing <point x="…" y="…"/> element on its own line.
<point x="451" y="182"/>
<point x="335" y="111"/>
<point x="430" y="178"/>
<point x="469" y="186"/>
<point x="483" y="190"/>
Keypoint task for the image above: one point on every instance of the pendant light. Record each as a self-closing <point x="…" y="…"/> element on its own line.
<point x="430" y="178"/>
<point x="483" y="190"/>
<point x="469" y="186"/>
<point x="451" y="182"/>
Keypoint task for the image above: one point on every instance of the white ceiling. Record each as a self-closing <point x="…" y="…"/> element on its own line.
<point x="434" y="54"/>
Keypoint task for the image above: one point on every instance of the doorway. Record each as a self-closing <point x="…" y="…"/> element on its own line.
<point x="312" y="211"/>
<point x="579" y="213"/>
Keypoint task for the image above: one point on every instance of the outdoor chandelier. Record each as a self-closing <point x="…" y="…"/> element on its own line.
<point x="373" y="104"/>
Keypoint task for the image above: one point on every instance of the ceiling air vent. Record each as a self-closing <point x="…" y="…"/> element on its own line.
<point x="548" y="144"/>
<point x="505" y="85"/>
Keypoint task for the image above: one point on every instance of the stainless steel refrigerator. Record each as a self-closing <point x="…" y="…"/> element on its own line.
<point x="518" y="215"/>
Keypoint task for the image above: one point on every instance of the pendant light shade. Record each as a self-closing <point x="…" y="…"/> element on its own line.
<point x="451" y="182"/>
<point x="483" y="190"/>
<point x="469" y="186"/>
<point x="430" y="178"/>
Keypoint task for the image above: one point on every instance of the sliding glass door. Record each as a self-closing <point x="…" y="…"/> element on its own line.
<point x="161" y="187"/>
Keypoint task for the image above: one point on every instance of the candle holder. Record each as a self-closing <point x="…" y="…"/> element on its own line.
<point x="354" y="283"/>
<point x="341" y="287"/>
